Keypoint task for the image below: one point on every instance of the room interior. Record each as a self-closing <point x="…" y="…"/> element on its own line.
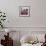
<point x="25" y="23"/>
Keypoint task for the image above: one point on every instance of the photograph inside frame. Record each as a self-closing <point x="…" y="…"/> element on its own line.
<point x="24" y="11"/>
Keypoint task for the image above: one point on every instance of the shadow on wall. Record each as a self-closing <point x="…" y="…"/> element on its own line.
<point x="16" y="43"/>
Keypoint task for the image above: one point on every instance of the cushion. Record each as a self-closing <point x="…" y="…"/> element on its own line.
<point x="26" y="39"/>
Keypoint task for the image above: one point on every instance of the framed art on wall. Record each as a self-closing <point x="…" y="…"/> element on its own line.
<point x="24" y="11"/>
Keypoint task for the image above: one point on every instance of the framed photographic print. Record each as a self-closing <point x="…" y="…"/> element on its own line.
<point x="24" y="11"/>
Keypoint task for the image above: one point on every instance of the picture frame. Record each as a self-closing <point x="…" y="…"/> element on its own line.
<point x="24" y="11"/>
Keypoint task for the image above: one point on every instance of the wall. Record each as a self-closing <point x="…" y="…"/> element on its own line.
<point x="37" y="13"/>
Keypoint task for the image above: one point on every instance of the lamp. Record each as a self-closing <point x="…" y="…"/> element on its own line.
<point x="7" y="31"/>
